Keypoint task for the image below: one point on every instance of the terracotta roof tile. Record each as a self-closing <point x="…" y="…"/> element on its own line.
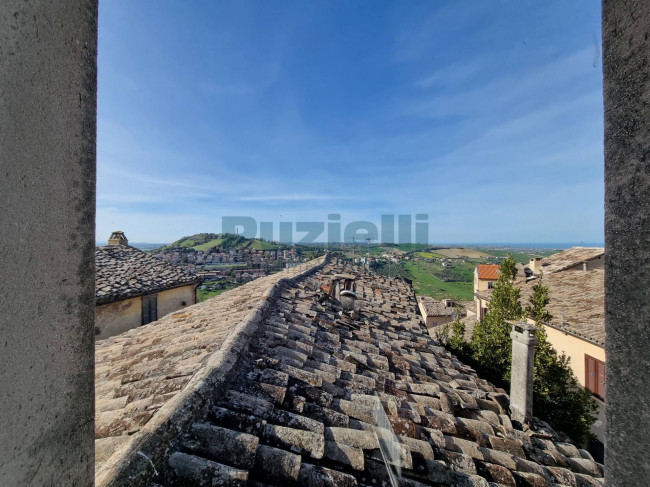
<point x="488" y="272"/>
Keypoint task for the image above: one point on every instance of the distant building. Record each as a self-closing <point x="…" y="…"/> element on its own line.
<point x="485" y="275"/>
<point x="575" y="258"/>
<point x="437" y="312"/>
<point x="133" y="288"/>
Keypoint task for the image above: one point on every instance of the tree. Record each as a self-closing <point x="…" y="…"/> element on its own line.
<point x="491" y="344"/>
<point x="457" y="339"/>
<point x="536" y="309"/>
<point x="557" y="396"/>
<point x="452" y="335"/>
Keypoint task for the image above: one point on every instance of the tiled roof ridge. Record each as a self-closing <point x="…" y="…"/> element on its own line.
<point x="573" y="332"/>
<point x="128" y="465"/>
<point x="574" y="256"/>
<point x="437" y="307"/>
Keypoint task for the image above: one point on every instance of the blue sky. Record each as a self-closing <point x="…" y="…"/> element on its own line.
<point x="487" y="116"/>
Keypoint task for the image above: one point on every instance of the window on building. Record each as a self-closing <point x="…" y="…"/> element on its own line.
<point x="595" y="376"/>
<point x="490" y="284"/>
<point x="149" y="308"/>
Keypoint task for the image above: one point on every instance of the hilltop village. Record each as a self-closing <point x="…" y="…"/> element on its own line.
<point x="225" y="261"/>
<point x="329" y="372"/>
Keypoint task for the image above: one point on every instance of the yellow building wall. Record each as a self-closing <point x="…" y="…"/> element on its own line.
<point x="114" y="318"/>
<point x="480" y="303"/>
<point x="482" y="284"/>
<point x="173" y="299"/>
<point x="576" y="349"/>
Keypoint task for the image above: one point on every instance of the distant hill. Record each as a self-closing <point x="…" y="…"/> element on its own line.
<point x="222" y="241"/>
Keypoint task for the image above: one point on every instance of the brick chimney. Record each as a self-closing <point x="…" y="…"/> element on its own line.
<point x="118" y="238"/>
<point x="521" y="380"/>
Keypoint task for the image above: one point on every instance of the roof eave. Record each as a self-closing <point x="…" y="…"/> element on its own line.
<point x="137" y="294"/>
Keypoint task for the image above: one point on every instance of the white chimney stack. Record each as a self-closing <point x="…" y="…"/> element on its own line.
<point x="521" y="377"/>
<point x="535" y="265"/>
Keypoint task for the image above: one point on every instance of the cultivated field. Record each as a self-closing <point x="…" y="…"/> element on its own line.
<point x="455" y="253"/>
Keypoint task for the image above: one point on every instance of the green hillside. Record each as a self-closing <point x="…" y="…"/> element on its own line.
<point x="226" y="241"/>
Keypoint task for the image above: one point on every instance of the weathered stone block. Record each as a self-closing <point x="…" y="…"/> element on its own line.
<point x="296" y="440"/>
<point x="223" y="445"/>
<point x="272" y="464"/>
<point x="205" y="473"/>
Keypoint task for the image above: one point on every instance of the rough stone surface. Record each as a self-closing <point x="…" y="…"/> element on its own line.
<point x="316" y="476"/>
<point x="48" y="93"/>
<point x="626" y="88"/>
<point x="201" y="472"/>
<point x="223" y="445"/>
<point x="347" y="455"/>
<point x="295" y="440"/>
<point x="276" y="465"/>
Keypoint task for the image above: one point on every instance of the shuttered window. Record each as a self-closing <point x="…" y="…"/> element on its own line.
<point x="149" y="308"/>
<point x="595" y="376"/>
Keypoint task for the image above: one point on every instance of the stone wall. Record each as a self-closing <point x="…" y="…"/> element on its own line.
<point x="48" y="99"/>
<point x="626" y="71"/>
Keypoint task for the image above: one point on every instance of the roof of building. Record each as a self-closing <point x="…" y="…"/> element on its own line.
<point x="126" y="272"/>
<point x="570" y="258"/>
<point x="576" y="301"/>
<point x="436" y="307"/>
<point x="488" y="271"/>
<point x="302" y="391"/>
